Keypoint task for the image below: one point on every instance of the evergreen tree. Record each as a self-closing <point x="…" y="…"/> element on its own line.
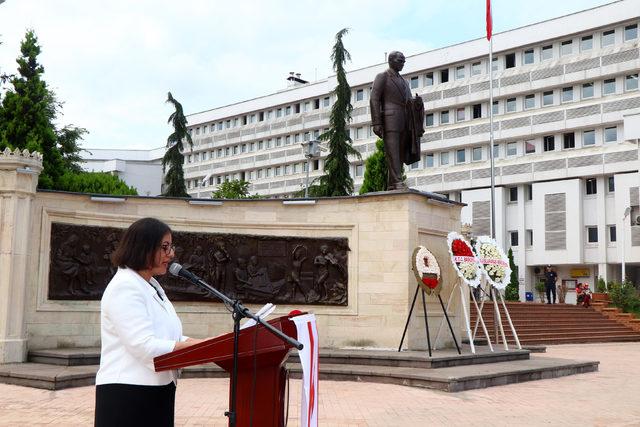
<point x="174" y="178"/>
<point x="234" y="189"/>
<point x="511" y="293"/>
<point x="337" y="180"/>
<point x="375" y="171"/>
<point x="95" y="183"/>
<point x="28" y="111"/>
<point x="68" y="138"/>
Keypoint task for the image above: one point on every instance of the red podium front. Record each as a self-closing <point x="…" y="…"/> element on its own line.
<point x="259" y="348"/>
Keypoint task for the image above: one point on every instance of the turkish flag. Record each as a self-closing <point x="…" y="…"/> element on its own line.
<point x="489" y="20"/>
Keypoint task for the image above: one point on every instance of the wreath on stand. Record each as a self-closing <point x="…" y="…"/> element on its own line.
<point x="464" y="260"/>
<point x="427" y="270"/>
<point x="495" y="263"/>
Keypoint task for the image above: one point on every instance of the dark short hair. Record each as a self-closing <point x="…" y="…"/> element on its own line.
<point x="138" y="244"/>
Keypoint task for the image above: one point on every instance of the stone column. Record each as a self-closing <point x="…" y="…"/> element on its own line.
<point x="19" y="172"/>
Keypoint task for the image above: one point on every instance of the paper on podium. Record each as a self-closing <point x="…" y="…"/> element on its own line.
<point x="266" y="310"/>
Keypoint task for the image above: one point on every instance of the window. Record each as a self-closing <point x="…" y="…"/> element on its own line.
<point x="494" y="64"/>
<point x="414" y="82"/>
<point x="428" y="161"/>
<point x="612" y="233"/>
<point x="611" y="134"/>
<point x="444" y="117"/>
<point x="460" y="156"/>
<point x="219" y="126"/>
<point x="549" y="143"/>
<point x="287" y="110"/>
<point x="227" y="151"/>
<point x="460" y="114"/>
<point x="243" y="149"/>
<point x="326" y="101"/>
<point x="359" y="170"/>
<point x="476" y="154"/>
<point x="527" y="57"/>
<point x="460" y="72"/>
<point x="444" y="76"/>
<point x="608" y="38"/>
<point x="587" y="90"/>
<point x="546" y="53"/>
<point x="428" y="119"/>
<point x="444" y="158"/>
<point x="496" y="108"/>
<point x="631" y="82"/>
<point x="529" y="147"/>
<point x="529" y="102"/>
<point x="586" y="43"/>
<point x="567" y="94"/>
<point x="476" y="68"/>
<point x="512" y="149"/>
<point x="511" y="105"/>
<point x="260" y="145"/>
<point x="592" y="234"/>
<point x="252" y="147"/>
<point x="235" y="149"/>
<point x="529" y="241"/>
<point x="360" y="94"/>
<point x="510" y="60"/>
<point x="529" y="192"/>
<point x="496" y="151"/>
<point x="428" y="79"/>
<point x="566" y="48"/>
<point x="588" y="137"/>
<point x="611" y="184"/>
<point x="220" y="152"/>
<point x="609" y="87"/>
<point x="279" y="112"/>
<point x="591" y="186"/>
<point x="477" y="111"/>
<point x="316" y="104"/>
<point x="360" y="133"/>
<point x="513" y="236"/>
<point x="547" y="98"/>
<point x="630" y="32"/>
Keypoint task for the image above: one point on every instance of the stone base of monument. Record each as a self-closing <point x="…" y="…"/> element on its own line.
<point x="446" y="370"/>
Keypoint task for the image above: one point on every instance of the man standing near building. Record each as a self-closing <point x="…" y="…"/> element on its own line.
<point x="396" y="118"/>
<point x="550" y="278"/>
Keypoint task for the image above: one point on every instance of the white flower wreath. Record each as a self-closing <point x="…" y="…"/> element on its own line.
<point x="431" y="266"/>
<point x="467" y="267"/>
<point x="494" y="262"/>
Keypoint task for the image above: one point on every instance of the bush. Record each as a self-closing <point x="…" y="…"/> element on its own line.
<point x="95" y="183"/>
<point x="625" y="296"/>
<point x="601" y="286"/>
<point x="512" y="291"/>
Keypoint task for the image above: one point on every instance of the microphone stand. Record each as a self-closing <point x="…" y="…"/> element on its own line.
<point x="239" y="312"/>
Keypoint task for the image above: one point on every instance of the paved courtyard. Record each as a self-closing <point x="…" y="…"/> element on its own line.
<point x="609" y="397"/>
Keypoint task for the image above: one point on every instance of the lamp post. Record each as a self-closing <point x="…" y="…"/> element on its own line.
<point x="627" y="211"/>
<point x="311" y="151"/>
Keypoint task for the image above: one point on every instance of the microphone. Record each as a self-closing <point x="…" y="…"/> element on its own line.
<point x="177" y="270"/>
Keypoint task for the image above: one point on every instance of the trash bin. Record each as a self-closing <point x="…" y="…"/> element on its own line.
<point x="528" y="296"/>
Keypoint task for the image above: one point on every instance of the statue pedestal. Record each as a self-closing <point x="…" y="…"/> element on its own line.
<point x="18" y="180"/>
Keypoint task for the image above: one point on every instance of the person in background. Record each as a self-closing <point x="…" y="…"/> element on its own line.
<point x="550" y="278"/>
<point x="138" y="323"/>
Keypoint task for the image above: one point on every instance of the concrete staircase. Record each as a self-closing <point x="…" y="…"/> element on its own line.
<point x="544" y="324"/>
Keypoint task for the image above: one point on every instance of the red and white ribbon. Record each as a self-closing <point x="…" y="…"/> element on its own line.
<point x="308" y="336"/>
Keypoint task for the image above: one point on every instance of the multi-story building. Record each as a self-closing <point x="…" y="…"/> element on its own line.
<point x="565" y="107"/>
<point x="141" y="169"/>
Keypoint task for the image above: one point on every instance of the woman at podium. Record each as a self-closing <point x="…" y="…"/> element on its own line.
<point x="138" y="323"/>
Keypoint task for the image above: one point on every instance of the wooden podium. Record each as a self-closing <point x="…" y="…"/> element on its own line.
<point x="256" y="347"/>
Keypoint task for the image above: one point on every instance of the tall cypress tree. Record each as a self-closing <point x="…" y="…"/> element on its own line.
<point x="174" y="178"/>
<point x="28" y="111"/>
<point x="337" y="180"/>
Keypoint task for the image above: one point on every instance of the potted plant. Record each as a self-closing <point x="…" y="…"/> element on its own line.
<point x="540" y="288"/>
<point x="601" y="293"/>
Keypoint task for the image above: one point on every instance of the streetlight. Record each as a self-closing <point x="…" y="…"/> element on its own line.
<point x="627" y="211"/>
<point x="311" y="150"/>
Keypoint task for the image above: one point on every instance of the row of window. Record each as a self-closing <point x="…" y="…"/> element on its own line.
<point x="591" y="232"/>
<point x="591" y="188"/>
<point x="297" y="108"/>
<point x="528" y="56"/>
<point x="545" y="99"/>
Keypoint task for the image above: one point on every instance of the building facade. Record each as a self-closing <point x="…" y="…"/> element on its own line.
<point x="141" y="169"/>
<point x="566" y="105"/>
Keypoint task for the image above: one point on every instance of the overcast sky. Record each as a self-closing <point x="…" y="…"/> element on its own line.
<point x="112" y="62"/>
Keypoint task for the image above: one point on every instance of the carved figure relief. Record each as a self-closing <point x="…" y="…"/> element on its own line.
<point x="255" y="269"/>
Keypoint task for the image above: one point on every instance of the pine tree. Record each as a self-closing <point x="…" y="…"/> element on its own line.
<point x="375" y="171"/>
<point x="511" y="293"/>
<point x="337" y="180"/>
<point x="174" y="178"/>
<point x="28" y="112"/>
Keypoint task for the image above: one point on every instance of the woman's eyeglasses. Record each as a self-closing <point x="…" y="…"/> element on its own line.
<point x="168" y="248"/>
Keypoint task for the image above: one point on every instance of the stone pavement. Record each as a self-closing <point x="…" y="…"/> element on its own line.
<point x="605" y="398"/>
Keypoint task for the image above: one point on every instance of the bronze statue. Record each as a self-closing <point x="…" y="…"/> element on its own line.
<point x="397" y="119"/>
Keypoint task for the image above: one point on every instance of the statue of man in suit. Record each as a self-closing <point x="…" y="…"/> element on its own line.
<point x="397" y="119"/>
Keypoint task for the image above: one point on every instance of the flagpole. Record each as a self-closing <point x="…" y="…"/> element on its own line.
<point x="493" y="206"/>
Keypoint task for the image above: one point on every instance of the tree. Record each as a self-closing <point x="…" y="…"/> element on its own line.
<point x="95" y="183"/>
<point x="234" y="189"/>
<point x="375" y="171"/>
<point x="511" y="293"/>
<point x="68" y="138"/>
<point x="28" y="112"/>
<point x="337" y="180"/>
<point x="174" y="178"/>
